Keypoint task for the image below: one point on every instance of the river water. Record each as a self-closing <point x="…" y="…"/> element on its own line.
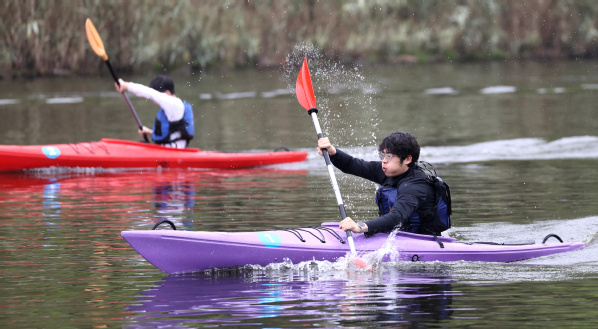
<point x="517" y="143"/>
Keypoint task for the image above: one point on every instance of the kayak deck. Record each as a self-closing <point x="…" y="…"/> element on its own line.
<point x="175" y="251"/>
<point x="115" y="153"/>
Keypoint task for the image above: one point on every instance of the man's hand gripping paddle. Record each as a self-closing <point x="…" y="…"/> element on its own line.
<point x="98" y="47"/>
<point x="307" y="99"/>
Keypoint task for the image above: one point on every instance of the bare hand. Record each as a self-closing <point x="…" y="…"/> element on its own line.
<point x="121" y="86"/>
<point x="349" y="224"/>
<point x="145" y="132"/>
<point x="324" y="143"/>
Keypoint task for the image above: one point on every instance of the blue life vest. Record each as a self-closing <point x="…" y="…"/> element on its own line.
<point x="164" y="128"/>
<point x="438" y="220"/>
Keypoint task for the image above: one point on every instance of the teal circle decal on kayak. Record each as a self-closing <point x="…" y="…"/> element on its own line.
<point x="269" y="239"/>
<point x="51" y="152"/>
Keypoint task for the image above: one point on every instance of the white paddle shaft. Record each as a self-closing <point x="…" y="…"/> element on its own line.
<point x="337" y="192"/>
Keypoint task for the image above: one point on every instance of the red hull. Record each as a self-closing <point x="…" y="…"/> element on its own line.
<point x="114" y="153"/>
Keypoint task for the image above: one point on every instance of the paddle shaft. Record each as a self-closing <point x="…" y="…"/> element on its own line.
<point x="95" y="41"/>
<point x="337" y="191"/>
<point x="126" y="98"/>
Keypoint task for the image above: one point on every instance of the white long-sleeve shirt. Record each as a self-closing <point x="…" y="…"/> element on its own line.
<point x="173" y="106"/>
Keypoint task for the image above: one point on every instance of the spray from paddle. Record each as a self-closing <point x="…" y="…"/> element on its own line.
<point x="344" y="88"/>
<point x="347" y="108"/>
<point x="307" y="99"/>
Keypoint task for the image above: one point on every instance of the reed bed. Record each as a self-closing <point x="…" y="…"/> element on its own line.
<point x="48" y="37"/>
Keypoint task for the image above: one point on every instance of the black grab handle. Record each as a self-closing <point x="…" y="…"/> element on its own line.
<point x="552" y="236"/>
<point x="164" y="221"/>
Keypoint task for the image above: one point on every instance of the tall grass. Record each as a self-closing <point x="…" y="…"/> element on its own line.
<point x="47" y="36"/>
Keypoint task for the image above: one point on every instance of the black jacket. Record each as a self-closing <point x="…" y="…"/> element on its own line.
<point x="415" y="193"/>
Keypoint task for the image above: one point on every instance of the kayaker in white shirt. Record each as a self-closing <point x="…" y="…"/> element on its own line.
<point x="175" y="115"/>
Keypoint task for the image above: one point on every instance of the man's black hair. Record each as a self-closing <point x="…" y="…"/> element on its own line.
<point x="162" y="83"/>
<point x="402" y="145"/>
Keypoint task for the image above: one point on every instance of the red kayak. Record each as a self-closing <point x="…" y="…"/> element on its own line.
<point x="115" y="153"/>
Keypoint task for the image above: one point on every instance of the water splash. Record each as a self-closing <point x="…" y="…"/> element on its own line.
<point x="313" y="268"/>
<point x="387" y="251"/>
<point x="591" y="239"/>
<point x="339" y="89"/>
<point x="344" y="96"/>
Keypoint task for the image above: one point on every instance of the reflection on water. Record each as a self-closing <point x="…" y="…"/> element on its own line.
<point x="172" y="200"/>
<point x="50" y="203"/>
<point x="311" y="297"/>
<point x="321" y="294"/>
<point x="183" y="196"/>
<point x="60" y="234"/>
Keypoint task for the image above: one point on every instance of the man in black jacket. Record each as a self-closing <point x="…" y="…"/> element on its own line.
<point x="412" y="207"/>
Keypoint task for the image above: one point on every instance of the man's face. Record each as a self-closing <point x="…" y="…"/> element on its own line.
<point x="392" y="165"/>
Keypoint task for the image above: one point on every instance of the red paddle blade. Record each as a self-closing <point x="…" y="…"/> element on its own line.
<point x="304" y="90"/>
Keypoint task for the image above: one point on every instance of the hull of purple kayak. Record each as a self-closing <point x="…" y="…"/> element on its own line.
<point x="174" y="251"/>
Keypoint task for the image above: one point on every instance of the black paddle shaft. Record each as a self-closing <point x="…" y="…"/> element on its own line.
<point x="126" y="99"/>
<point x="112" y="72"/>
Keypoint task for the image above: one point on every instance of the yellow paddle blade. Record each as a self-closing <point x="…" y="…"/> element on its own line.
<point x="94" y="40"/>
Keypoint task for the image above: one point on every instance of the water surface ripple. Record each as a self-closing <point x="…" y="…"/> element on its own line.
<point x="520" y="162"/>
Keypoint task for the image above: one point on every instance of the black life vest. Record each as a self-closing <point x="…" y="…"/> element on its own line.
<point x="424" y="221"/>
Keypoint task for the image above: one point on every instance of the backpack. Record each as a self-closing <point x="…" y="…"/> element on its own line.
<point x="438" y="219"/>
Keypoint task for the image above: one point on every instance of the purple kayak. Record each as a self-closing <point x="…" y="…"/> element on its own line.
<point x="174" y="251"/>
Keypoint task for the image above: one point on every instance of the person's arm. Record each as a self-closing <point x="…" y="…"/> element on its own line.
<point x="371" y="170"/>
<point x="173" y="106"/>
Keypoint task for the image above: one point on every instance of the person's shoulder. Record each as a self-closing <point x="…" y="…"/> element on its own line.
<point x="413" y="180"/>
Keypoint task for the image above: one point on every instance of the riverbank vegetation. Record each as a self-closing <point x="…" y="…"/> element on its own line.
<point x="41" y="37"/>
